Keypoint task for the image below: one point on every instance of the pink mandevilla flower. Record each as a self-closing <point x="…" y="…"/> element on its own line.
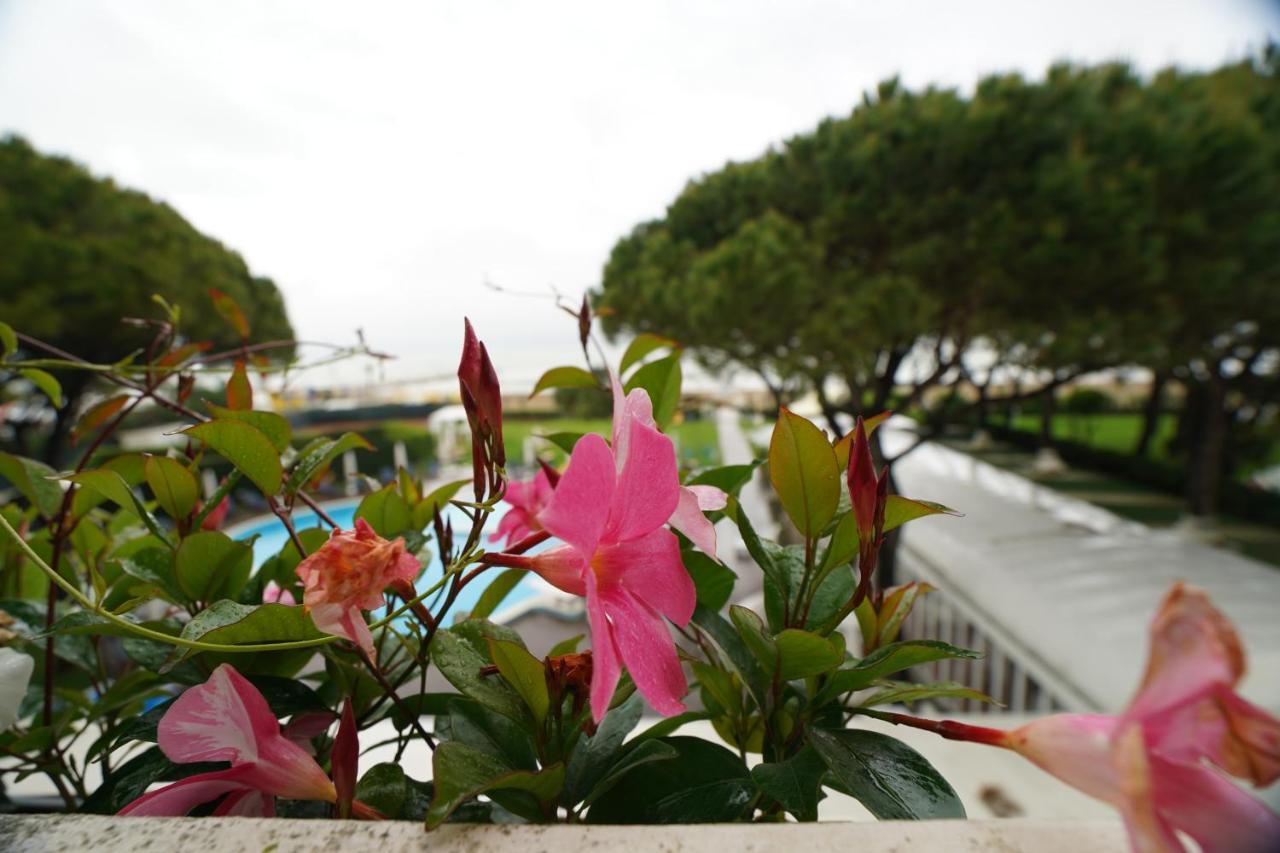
<point x="226" y="719"/>
<point x="527" y="499"/>
<point x="1153" y="762"/>
<point x="693" y="501"/>
<point x="347" y="575"/>
<point x="620" y="556"/>
<point x="273" y="593"/>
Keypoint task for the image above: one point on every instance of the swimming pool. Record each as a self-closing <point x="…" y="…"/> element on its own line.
<point x="272" y="537"/>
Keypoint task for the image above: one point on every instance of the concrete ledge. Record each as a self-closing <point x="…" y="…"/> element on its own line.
<point x="39" y="833"/>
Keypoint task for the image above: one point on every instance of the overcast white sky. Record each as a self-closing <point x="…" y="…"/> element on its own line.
<point x="379" y="160"/>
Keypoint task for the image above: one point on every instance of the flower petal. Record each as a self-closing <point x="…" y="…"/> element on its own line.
<point x="563" y="568"/>
<point x="184" y="795"/>
<point x="342" y="621"/>
<point x="690" y="521"/>
<point x="15" y="675"/>
<point x="647" y="649"/>
<point x="1216" y="813"/>
<point x="605" y="669"/>
<point x="1075" y="748"/>
<point x="710" y="498"/>
<point x="580" y="505"/>
<point x="224" y="719"/>
<point x="248" y="803"/>
<point x="1149" y="831"/>
<point x="648" y="486"/>
<point x="650" y="568"/>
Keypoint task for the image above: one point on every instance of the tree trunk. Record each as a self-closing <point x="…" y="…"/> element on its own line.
<point x="1204" y="480"/>
<point x="1048" y="405"/>
<point x="1151" y="411"/>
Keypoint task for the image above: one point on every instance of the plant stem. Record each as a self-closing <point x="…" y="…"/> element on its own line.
<point x="948" y="729"/>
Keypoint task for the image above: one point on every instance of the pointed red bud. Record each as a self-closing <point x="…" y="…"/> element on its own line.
<point x="862" y="483"/>
<point x="344" y="758"/>
<point x="482" y="400"/>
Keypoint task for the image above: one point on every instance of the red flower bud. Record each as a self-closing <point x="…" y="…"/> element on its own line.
<point x="343" y="760"/>
<point x="862" y="483"/>
<point x="482" y="400"/>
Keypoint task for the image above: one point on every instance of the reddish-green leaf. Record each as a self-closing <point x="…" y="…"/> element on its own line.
<point x="239" y="391"/>
<point x="97" y="415"/>
<point x="230" y="311"/>
<point x="804" y="473"/>
<point x="899" y="510"/>
<point x="843" y="445"/>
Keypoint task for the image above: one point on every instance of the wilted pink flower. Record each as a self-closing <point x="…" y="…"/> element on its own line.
<point x="688" y="515"/>
<point x="226" y="719"/>
<point x="527" y="499"/>
<point x="1163" y="762"/>
<point x="347" y="575"/>
<point x="273" y="593"/>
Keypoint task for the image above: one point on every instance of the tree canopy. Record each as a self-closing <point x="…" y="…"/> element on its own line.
<point x="1049" y="227"/>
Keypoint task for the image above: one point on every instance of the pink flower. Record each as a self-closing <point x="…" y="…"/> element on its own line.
<point x="226" y="719"/>
<point x="1153" y="761"/>
<point x="688" y="515"/>
<point x="347" y="575"/>
<point x="527" y="499"/>
<point x="273" y="593"/>
<point x="621" y="557"/>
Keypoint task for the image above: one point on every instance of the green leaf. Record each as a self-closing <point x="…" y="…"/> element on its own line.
<point x="896" y="607"/>
<point x="97" y="415"/>
<point x="804" y="654"/>
<point x="461" y="662"/>
<point x="891" y="779"/>
<point x="275" y="427"/>
<point x="643" y="344"/>
<point x="410" y="708"/>
<point x="385" y="788"/>
<point x="764" y="558"/>
<point x="33" y="481"/>
<point x="563" y="440"/>
<point x="239" y="391"/>
<point x="593" y="756"/>
<point x="713" y="581"/>
<point x="497" y="591"/>
<point x="899" y="510"/>
<point x="229" y="623"/>
<point x="703" y="783"/>
<point x="906" y="692"/>
<point x="131" y="467"/>
<point x="843" y="546"/>
<point x="728" y="478"/>
<point x="564" y="377"/>
<point x="803" y="470"/>
<point x="112" y="486"/>
<point x="424" y="510"/>
<point x="645" y="752"/>
<point x="461" y="772"/>
<point x="210" y="565"/>
<point x="892" y="658"/>
<point x="8" y="341"/>
<point x="173" y="485"/>
<point x="246" y="448"/>
<point x="662" y="380"/>
<point x="317" y="455"/>
<point x="566" y="647"/>
<point x="51" y="387"/>
<point x="509" y="741"/>
<point x="755" y="636"/>
<point x="386" y="511"/>
<point x="525" y="673"/>
<point x="795" y="783"/>
<point x="84" y="622"/>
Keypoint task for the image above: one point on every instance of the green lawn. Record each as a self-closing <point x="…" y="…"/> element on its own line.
<point x="1118" y="432"/>
<point x="696" y="440"/>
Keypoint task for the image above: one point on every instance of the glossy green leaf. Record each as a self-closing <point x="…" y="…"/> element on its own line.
<point x="843" y="546"/>
<point x="130" y="466"/>
<point x="755" y="636"/>
<point x="662" y="379"/>
<point x="703" y="783"/>
<point x="804" y="654"/>
<point x="795" y="783"/>
<point x="229" y="623"/>
<point x="728" y="478"/>
<point x="275" y="427"/>
<point x="713" y="581"/>
<point x="384" y="787"/>
<point x="424" y="510"/>
<point x="386" y="512"/>
<point x="172" y="484"/>
<point x="496" y="592"/>
<point x="8" y="340"/>
<point x="593" y="755"/>
<point x="899" y="510"/>
<point x="461" y="663"/>
<point x="210" y="565"/>
<point x="508" y="740"/>
<point x="567" y="646"/>
<point x="640" y="346"/>
<point x="891" y="779"/>
<point x="645" y="752"/>
<point x="51" y="387"/>
<point x="246" y="448"/>
<point x="34" y="480"/>
<point x="525" y="673"/>
<point x="564" y="377"/>
<point x="154" y="566"/>
<point x="896" y="607"/>
<point x="563" y="440"/>
<point x="461" y="772"/>
<point x="906" y="692"/>
<point x="892" y="658"/>
<point x="803" y="470"/>
<point x="317" y="456"/>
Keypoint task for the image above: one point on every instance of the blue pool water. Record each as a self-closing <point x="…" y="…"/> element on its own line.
<point x="272" y="537"/>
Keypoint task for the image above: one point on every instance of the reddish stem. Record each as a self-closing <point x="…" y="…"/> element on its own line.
<point x="949" y="729"/>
